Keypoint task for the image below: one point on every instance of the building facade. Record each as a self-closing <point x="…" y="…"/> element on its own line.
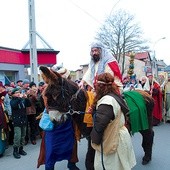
<point x="14" y="63"/>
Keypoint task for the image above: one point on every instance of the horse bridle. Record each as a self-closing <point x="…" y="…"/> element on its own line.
<point x="74" y="96"/>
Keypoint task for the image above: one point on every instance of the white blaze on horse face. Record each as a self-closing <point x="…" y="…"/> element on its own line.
<point x="57" y="116"/>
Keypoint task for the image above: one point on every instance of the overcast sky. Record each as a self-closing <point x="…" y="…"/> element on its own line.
<point x="69" y="26"/>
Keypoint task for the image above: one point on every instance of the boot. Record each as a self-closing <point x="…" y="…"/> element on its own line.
<point x="21" y="151"/>
<point x="147" y="143"/>
<point x="16" y="154"/>
<point x="72" y="166"/>
<point x="146" y="159"/>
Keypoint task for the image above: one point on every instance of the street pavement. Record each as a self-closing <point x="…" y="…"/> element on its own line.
<point x="160" y="158"/>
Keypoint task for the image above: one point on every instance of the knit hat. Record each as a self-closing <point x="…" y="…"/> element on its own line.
<point x="26" y="81"/>
<point x="41" y="83"/>
<point x="15" y="90"/>
<point x="32" y="84"/>
<point x="19" y="81"/>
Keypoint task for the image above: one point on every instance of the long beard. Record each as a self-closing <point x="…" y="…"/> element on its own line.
<point x="95" y="58"/>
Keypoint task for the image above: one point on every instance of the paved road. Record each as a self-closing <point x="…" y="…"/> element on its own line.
<point x="160" y="159"/>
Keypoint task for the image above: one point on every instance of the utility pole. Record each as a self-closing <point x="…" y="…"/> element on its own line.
<point x="32" y="42"/>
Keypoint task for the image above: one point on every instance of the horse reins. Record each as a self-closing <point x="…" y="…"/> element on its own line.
<point x="74" y="96"/>
<point x="71" y="111"/>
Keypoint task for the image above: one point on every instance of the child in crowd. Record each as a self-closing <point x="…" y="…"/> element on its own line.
<point x="19" y="102"/>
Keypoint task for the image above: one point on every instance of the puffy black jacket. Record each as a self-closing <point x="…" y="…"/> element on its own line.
<point x="18" y="106"/>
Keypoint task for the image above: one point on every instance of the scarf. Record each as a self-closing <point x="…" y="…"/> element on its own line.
<point x="106" y="57"/>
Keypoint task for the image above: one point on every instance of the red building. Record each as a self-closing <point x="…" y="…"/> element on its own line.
<point x="14" y="63"/>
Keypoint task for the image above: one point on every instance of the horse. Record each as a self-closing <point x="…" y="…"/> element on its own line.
<point x="63" y="97"/>
<point x="141" y="111"/>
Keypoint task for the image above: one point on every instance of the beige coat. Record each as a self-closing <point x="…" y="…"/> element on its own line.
<point x="124" y="157"/>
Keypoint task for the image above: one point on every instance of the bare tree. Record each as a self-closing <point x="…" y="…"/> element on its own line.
<point x="121" y="35"/>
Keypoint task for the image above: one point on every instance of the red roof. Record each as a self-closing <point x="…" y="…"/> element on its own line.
<point x="142" y="55"/>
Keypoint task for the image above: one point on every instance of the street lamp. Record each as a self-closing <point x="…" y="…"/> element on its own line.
<point x="156" y="43"/>
<point x="154" y="67"/>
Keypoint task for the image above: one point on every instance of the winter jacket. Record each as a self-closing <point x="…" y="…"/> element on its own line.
<point x="18" y="106"/>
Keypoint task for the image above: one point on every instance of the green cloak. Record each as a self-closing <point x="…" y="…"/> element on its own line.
<point x="137" y="111"/>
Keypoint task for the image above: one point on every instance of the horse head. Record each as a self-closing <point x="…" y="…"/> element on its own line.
<point x="56" y="94"/>
<point x="63" y="95"/>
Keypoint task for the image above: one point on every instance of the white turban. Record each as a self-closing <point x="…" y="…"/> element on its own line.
<point x="97" y="45"/>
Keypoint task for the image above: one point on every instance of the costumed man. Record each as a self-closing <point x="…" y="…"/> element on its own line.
<point x="133" y="84"/>
<point x="156" y="92"/>
<point x="102" y="61"/>
<point x="125" y="81"/>
<point x="88" y="120"/>
<point x="8" y="113"/>
<point x="162" y="80"/>
<point x="144" y="81"/>
<point x="3" y="121"/>
<point x="167" y="100"/>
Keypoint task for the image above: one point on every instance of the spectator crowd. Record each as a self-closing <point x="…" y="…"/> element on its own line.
<point x="21" y="106"/>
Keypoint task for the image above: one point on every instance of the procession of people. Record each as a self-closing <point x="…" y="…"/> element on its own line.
<point x="23" y="103"/>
